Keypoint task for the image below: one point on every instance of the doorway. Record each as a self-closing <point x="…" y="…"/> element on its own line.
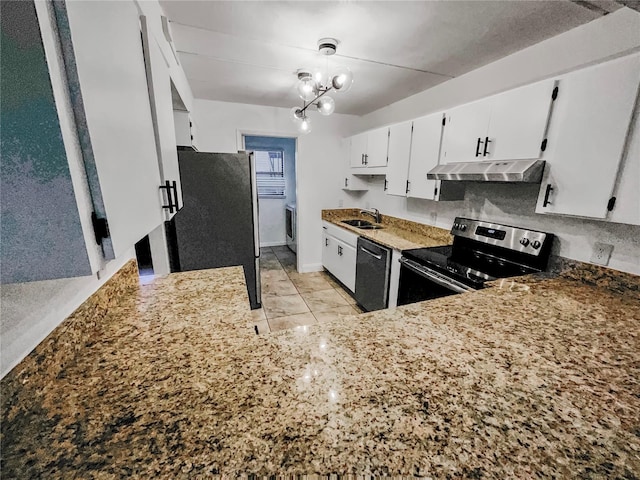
<point x="145" y="262"/>
<point x="275" y="159"/>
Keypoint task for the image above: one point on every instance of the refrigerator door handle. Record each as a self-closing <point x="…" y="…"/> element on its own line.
<point x="254" y="194"/>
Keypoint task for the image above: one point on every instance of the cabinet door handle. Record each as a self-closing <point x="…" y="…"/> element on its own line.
<point x="172" y="195"/>
<point x="486" y="146"/>
<point x="339" y="250"/>
<point x="362" y="158"/>
<point x="546" y="195"/>
<point x="478" y="146"/>
<point x="407" y="189"/>
<point x="346" y="182"/>
<point x="326" y="242"/>
<point x="386" y="182"/>
<point x="366" y="159"/>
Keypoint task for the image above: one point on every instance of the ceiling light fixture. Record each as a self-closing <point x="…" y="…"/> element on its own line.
<point x="313" y="86"/>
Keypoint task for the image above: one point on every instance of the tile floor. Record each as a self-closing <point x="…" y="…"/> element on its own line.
<point x="291" y="299"/>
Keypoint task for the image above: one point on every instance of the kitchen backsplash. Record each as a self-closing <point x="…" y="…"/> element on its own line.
<point x="512" y="204"/>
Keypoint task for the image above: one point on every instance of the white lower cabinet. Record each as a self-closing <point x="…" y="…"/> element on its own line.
<point x="339" y="254"/>
<point x="587" y="138"/>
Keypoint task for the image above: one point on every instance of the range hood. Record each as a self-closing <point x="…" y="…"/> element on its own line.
<point x="515" y="171"/>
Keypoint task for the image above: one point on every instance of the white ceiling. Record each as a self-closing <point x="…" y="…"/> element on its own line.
<point x="248" y="52"/>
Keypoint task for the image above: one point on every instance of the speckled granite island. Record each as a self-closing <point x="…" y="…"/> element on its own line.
<point x="534" y="377"/>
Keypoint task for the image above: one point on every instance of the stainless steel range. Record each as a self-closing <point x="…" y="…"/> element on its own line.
<point x="481" y="252"/>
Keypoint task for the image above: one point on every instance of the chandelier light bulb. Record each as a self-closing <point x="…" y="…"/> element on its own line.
<point x="314" y="84"/>
<point x="296" y="114"/>
<point x="342" y="80"/>
<point x="320" y="78"/>
<point x="307" y="88"/>
<point x="305" y="125"/>
<point x="326" y="105"/>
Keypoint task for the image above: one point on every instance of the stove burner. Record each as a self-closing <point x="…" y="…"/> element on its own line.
<point x="477" y="257"/>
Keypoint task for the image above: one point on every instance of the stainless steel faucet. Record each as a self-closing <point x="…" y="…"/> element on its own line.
<point x="373" y="212"/>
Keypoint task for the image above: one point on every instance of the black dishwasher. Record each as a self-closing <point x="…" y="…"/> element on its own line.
<point x="373" y="263"/>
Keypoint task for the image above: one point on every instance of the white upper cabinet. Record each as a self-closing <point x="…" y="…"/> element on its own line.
<point x="425" y="151"/>
<point x="347" y="180"/>
<point x="518" y="122"/>
<point x="369" y="149"/>
<point x="627" y="191"/>
<point x="508" y="126"/>
<point x="465" y="132"/>
<point x="111" y="71"/>
<point x="587" y="136"/>
<point x="399" y="153"/>
<point x="186" y="133"/>
<point x="377" y="148"/>
<point x="358" y="150"/>
<point x="159" y="84"/>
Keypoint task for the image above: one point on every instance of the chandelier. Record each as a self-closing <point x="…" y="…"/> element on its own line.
<point x="314" y="84"/>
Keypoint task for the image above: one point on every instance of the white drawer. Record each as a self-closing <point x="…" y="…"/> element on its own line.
<point x="342" y="234"/>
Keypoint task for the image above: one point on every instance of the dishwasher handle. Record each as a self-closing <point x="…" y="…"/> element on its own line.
<point x="369" y="252"/>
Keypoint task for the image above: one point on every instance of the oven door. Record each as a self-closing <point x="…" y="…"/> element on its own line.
<point x="419" y="283"/>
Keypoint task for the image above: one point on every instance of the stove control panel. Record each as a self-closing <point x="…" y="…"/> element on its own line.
<point x="506" y="236"/>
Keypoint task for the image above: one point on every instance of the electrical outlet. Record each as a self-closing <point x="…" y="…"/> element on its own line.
<point x="601" y="253"/>
<point x="340" y="203"/>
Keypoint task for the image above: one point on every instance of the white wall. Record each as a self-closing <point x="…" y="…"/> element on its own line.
<point x="320" y="158"/>
<point x="607" y="37"/>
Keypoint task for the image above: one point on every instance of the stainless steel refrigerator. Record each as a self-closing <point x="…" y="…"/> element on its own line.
<point x="218" y="224"/>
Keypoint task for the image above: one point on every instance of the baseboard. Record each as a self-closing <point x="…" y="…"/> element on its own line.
<point x="272" y="244"/>
<point x="311" y="267"/>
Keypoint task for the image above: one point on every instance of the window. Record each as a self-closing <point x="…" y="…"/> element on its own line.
<point x="270" y="173"/>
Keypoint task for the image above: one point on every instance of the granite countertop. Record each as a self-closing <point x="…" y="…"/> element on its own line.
<point x="537" y="376"/>
<point x="397" y="233"/>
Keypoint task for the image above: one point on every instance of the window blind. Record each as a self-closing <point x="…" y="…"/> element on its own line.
<point x="270" y="173"/>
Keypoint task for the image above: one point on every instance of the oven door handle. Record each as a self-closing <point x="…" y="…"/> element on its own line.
<point x="434" y="276"/>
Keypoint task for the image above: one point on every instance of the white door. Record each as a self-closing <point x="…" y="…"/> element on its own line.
<point x="110" y="63"/>
<point x="377" y="147"/>
<point x="358" y="150"/>
<point x="345" y="267"/>
<point x="627" y="192"/>
<point x="425" y="151"/>
<point x="159" y="83"/>
<point x="328" y="257"/>
<point x="465" y="132"/>
<point x="589" y="125"/>
<point x="518" y="122"/>
<point x="399" y="152"/>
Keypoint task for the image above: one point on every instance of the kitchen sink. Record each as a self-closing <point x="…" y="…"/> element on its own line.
<point x="362" y="224"/>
